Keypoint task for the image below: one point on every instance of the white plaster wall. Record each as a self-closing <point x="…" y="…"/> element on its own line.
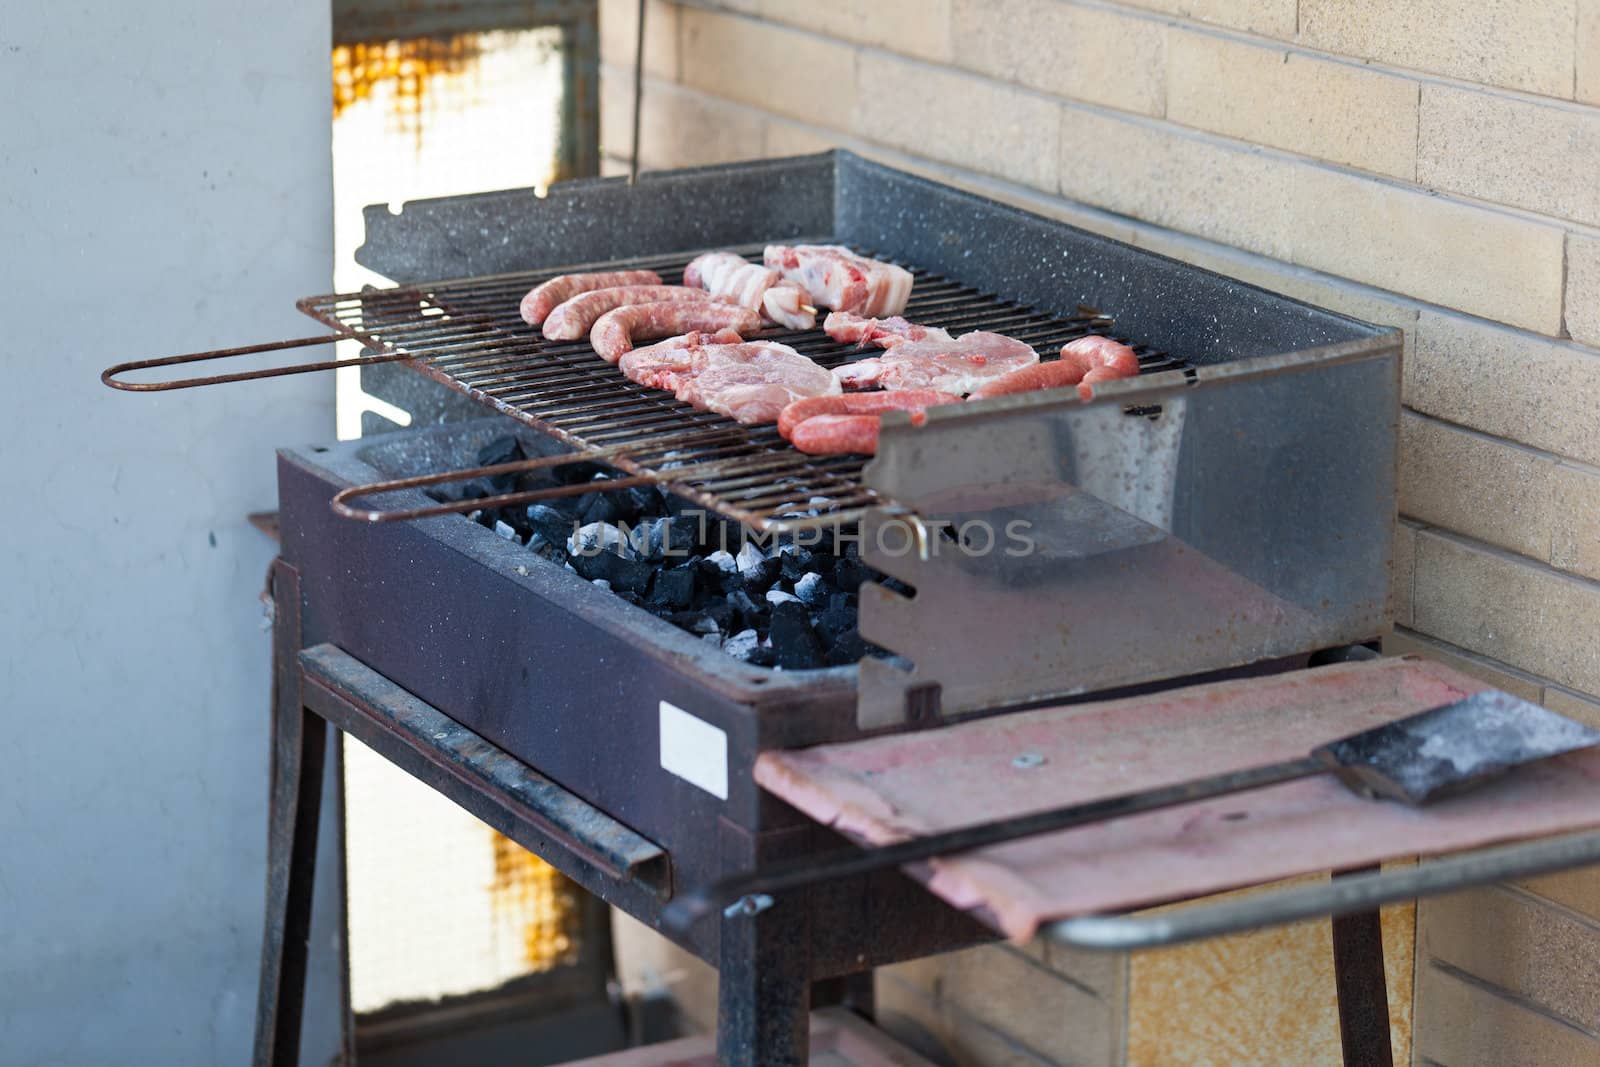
<point x="164" y="187"/>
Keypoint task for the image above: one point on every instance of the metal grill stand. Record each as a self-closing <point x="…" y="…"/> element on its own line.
<point x="766" y="989"/>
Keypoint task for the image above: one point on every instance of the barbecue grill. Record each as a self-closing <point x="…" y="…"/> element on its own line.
<point x="1227" y="514"/>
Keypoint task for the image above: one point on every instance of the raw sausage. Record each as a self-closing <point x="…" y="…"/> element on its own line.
<point x="828" y="435"/>
<point x="543" y="299"/>
<point x="861" y="404"/>
<point x="1083" y="362"/>
<point x="576" y="315"/>
<point x="1102" y="360"/>
<point x="615" y="332"/>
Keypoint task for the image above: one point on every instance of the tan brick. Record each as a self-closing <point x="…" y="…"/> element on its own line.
<point x="1240" y="198"/>
<point x="1481" y="486"/>
<point x="1334" y="111"/>
<point x="619" y="27"/>
<point x="1518" y="683"/>
<point x="1091" y="54"/>
<point x="1578" y="890"/>
<point x="1529" y="616"/>
<point x="737" y="58"/>
<point x="1580" y="707"/>
<point x="1273" y="18"/>
<point x="941" y="1032"/>
<point x="960" y="119"/>
<point x="1465" y="1025"/>
<point x="680" y="128"/>
<point x="1009" y="994"/>
<point x="1467" y="257"/>
<point x="1507" y="383"/>
<point x="1511" y="151"/>
<point x="1520" y="44"/>
<point x="1514" y="942"/>
<point x="1575" y="538"/>
<point x="1588" y="52"/>
<point x="913" y="27"/>
<point x="1582" y="317"/>
<point x="1462" y="256"/>
<point x="785" y="138"/>
<point x="1405" y="558"/>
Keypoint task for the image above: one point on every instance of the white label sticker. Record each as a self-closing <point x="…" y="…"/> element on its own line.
<point x="694" y="750"/>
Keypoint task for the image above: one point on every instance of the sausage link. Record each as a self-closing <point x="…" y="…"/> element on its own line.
<point x="615" y="332"/>
<point x="826" y="435"/>
<point x="543" y="299"/>
<point x="1028" y="379"/>
<point x="860" y="404"/>
<point x="576" y="315"/>
<point x="1083" y="362"/>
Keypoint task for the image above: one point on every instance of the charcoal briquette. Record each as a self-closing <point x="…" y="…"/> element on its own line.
<point x="576" y="472"/>
<point x="673" y="588"/>
<point x="630" y="575"/>
<point x="847" y="648"/>
<point x="759" y="578"/>
<point x="793" y="642"/>
<point x="501" y="450"/>
<point x="797" y="562"/>
<point x="762" y="657"/>
<point x="554" y="524"/>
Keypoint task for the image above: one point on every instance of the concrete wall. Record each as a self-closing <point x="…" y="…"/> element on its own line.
<point x="164" y="187"/>
<point x="1431" y="165"/>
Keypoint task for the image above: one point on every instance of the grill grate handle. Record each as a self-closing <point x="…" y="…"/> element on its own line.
<point x="110" y="375"/>
<point x="341" y="500"/>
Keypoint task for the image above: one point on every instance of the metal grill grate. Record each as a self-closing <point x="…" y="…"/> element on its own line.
<point x="468" y="334"/>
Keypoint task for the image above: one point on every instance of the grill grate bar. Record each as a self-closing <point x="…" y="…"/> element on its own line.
<point x="468" y="334"/>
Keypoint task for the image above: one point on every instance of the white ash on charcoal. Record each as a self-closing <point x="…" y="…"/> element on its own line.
<point x="786" y="603"/>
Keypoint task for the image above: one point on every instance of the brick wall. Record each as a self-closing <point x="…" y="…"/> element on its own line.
<point x="1433" y="165"/>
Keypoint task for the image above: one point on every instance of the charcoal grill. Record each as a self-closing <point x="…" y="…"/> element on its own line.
<point x="1230" y="512"/>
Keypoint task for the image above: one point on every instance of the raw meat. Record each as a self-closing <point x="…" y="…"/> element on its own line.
<point x="732" y="277"/>
<point x="957" y="366"/>
<point x="1083" y="362"/>
<point x="749" y="381"/>
<point x="848" y="328"/>
<point x="1102" y="360"/>
<point x="837" y="278"/>
<point x="850" y="423"/>
<point x="543" y="299"/>
<point x="575" y="316"/>
<point x="861" y="404"/>
<point x="614" y="332"/>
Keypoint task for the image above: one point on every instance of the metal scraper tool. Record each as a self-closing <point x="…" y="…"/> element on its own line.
<point x="1414" y="760"/>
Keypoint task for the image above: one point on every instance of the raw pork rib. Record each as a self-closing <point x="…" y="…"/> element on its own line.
<point x="749" y="381"/>
<point x="837" y="278"/>
<point x="958" y="366"/>
<point x="731" y="277"/>
<point x="848" y="328"/>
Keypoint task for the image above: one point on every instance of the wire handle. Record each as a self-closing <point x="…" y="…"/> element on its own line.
<point x="343" y="508"/>
<point x="109" y="375"/>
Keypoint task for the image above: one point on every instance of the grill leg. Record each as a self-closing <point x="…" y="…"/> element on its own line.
<point x="1363" y="993"/>
<point x="299" y="743"/>
<point x="764" y="988"/>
